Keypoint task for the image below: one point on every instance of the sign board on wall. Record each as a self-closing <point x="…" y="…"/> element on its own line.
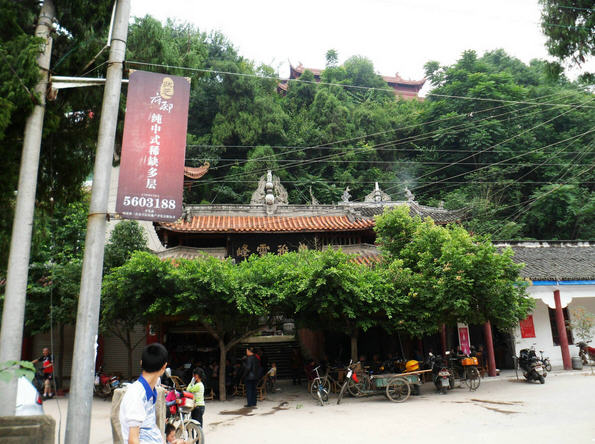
<point x="464" y="340"/>
<point x="527" y="327"/>
<point x="151" y="179"/>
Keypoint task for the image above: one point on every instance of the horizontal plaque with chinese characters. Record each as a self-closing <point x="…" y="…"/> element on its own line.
<point x="151" y="179"/>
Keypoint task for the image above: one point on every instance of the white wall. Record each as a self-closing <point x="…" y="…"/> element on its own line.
<point x="583" y="296"/>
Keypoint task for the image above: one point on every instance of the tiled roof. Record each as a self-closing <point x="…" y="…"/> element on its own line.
<point x="368" y="259"/>
<point x="264" y="224"/>
<point x="196" y="172"/>
<point x="555" y="261"/>
<point x="184" y="252"/>
<point x="439" y="215"/>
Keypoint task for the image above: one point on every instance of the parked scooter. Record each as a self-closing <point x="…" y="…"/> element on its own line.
<point x="531" y="365"/>
<point x="105" y="385"/>
<point x="585" y="352"/>
<point x="441" y="375"/>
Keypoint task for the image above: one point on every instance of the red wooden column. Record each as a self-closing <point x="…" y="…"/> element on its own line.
<point x="487" y="330"/>
<point x="561" y="326"/>
<point x="100" y="353"/>
<point x="443" y="338"/>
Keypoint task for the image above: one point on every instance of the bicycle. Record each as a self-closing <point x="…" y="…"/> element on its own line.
<point x="546" y="362"/>
<point x="318" y="389"/>
<point x="186" y="428"/>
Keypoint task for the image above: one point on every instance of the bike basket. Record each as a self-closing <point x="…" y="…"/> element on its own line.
<point x="187" y="403"/>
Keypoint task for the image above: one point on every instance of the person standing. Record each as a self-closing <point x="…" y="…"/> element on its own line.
<point x="137" y="411"/>
<point x="47" y="367"/>
<point x="197" y="388"/>
<point x="251" y="372"/>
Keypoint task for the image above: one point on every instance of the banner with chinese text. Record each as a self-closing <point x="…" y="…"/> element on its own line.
<point x="464" y="340"/>
<point x="527" y="327"/>
<point x="151" y="179"/>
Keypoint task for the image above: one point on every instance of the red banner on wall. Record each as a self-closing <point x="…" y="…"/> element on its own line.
<point x="527" y="327"/>
<point x="151" y="179"/>
<point x="464" y="340"/>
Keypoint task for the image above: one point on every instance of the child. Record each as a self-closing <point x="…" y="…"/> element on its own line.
<point x="273" y="375"/>
<point x="137" y="410"/>
<point x="170" y="435"/>
<point x="198" y="389"/>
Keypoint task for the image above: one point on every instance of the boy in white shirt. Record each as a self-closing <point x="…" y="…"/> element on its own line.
<point x="137" y="410"/>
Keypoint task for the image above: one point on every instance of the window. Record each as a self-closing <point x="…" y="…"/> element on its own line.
<point x="552" y="313"/>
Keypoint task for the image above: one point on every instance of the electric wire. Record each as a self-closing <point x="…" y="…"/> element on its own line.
<point x="262" y="77"/>
<point x="304" y="162"/>
<point x="498" y="144"/>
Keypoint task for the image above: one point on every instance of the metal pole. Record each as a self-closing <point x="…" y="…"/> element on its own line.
<point x="13" y="315"/>
<point x="81" y="388"/>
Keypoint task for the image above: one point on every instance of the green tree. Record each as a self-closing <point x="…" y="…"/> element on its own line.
<point x="127" y="293"/>
<point x="452" y="276"/>
<point x="569" y="28"/>
<point x="226" y="299"/>
<point x="126" y="238"/>
<point x="70" y="126"/>
<point x="492" y="156"/>
<point x="329" y="290"/>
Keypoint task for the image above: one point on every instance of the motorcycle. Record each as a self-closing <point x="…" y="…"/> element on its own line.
<point x="105" y="385"/>
<point x="441" y="375"/>
<point x="585" y="352"/>
<point x="531" y="366"/>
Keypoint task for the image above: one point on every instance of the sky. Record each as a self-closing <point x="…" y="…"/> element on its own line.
<point x="397" y="36"/>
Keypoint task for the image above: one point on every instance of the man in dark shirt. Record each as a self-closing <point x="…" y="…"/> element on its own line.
<point x="251" y="374"/>
<point x="47" y="367"/>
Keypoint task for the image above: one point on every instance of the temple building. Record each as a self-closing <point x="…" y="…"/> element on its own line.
<point x="407" y="89"/>
<point x="270" y="224"/>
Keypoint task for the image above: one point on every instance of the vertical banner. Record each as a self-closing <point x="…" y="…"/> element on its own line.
<point x="464" y="341"/>
<point x="151" y="179"/>
<point x="527" y="327"/>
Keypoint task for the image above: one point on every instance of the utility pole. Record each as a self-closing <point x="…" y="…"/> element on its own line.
<point x="81" y="389"/>
<point x="13" y="315"/>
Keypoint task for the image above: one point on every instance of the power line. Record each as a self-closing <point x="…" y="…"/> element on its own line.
<point x="497" y="163"/>
<point x="326" y="157"/>
<point x="262" y="77"/>
<point x="500" y="143"/>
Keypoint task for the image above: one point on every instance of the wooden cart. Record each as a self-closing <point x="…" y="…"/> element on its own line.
<point x="395" y="386"/>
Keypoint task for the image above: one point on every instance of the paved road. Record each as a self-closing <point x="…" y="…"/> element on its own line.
<point x="501" y="411"/>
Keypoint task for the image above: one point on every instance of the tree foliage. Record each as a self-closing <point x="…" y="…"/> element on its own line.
<point x="452" y="276"/>
<point x="569" y="28"/>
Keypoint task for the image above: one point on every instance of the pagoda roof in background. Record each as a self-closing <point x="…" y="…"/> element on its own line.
<point x="407" y="89"/>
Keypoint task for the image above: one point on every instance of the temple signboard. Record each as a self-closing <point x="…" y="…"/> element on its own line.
<point x="151" y="178"/>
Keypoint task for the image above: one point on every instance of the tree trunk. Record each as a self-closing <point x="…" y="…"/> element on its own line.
<point x="222" y="364"/>
<point x="354" y="336"/>
<point x="60" y="372"/>
<point x="129" y="348"/>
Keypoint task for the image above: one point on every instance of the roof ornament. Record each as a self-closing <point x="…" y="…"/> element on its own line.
<point x="314" y="200"/>
<point x="377" y="195"/>
<point x="441" y="204"/>
<point x="269" y="192"/>
<point x="346" y="196"/>
<point x="409" y="194"/>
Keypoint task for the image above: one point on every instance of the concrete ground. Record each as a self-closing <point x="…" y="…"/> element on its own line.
<point x="501" y="410"/>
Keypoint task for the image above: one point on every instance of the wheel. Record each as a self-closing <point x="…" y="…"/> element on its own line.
<point x="398" y="390"/>
<point x="193" y="432"/>
<point x="472" y="378"/>
<point x="547" y="365"/>
<point x="343" y="390"/>
<point x="354" y="388"/>
<point x="326" y="385"/>
<point x="322" y="395"/>
<point x="541" y="379"/>
<point x="443" y="390"/>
